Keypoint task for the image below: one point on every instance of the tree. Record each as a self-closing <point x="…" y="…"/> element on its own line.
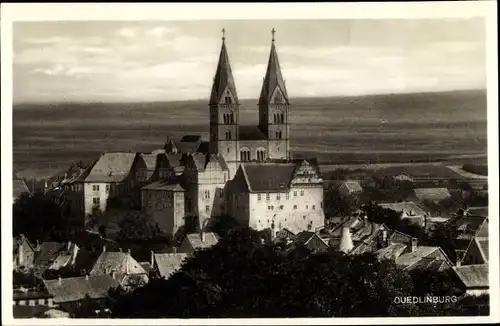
<point x="336" y="205"/>
<point x="135" y="227"/>
<point x="36" y="216"/>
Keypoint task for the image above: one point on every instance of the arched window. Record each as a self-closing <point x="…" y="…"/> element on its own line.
<point x="244" y="154"/>
<point x="261" y="154"/>
<point x="228" y="135"/>
<point x="231" y="117"/>
<point x="278" y="117"/>
<point x="282" y="118"/>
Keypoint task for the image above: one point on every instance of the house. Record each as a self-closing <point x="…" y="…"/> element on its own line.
<point x="311" y="241"/>
<point x="106" y="178"/>
<point x="428" y="257"/>
<point x="32" y="297"/>
<point x="198" y="241"/>
<point x="348" y="188"/>
<point x="66" y="257"/>
<point x="47" y="253"/>
<point x="166" y="264"/>
<point x="19" y="188"/>
<point x="23" y="252"/>
<point x="164" y="203"/>
<point x="408" y="210"/>
<point x="478" y="250"/>
<point x="285" y="236"/>
<point x="68" y="293"/>
<point x="117" y="262"/>
<point x="467" y="228"/>
<point x="276" y="195"/>
<point x="474" y="278"/>
<point x="434" y="195"/>
<point x="427" y="175"/>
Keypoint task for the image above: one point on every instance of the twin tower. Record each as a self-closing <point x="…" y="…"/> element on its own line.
<point x="237" y="143"/>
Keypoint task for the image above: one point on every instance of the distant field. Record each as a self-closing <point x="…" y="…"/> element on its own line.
<point x="449" y="127"/>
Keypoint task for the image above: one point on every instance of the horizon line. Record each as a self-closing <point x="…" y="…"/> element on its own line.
<point x="244" y="99"/>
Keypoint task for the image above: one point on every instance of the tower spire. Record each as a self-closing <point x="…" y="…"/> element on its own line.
<point x="273" y="79"/>
<point x="223" y="80"/>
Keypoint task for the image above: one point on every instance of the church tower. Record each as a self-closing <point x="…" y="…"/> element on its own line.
<point x="274" y="108"/>
<point x="224" y="112"/>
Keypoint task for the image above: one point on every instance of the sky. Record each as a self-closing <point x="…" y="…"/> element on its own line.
<point x="170" y="61"/>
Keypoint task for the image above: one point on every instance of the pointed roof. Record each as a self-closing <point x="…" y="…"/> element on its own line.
<point x="223" y="78"/>
<point x="273" y="79"/>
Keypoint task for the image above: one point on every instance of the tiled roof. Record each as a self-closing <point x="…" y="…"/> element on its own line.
<point x="110" y="167"/>
<point x="150" y="161"/>
<point x="432" y="264"/>
<point x="483" y="246"/>
<point x="410" y="207"/>
<point x="473" y="275"/>
<point x="273" y="79"/>
<point x="218" y="159"/>
<point x="432" y="194"/>
<point x="303" y="237"/>
<point x="170" y="185"/>
<point x="353" y="186"/>
<point x="146" y="265"/>
<point x="268" y="177"/>
<point x="132" y="280"/>
<point x="169" y="263"/>
<point x="120" y="262"/>
<point x="61" y="261"/>
<point x="223" y="79"/>
<point x="76" y="288"/>
<point x="251" y="133"/>
<point x="18" y="188"/>
<point x="393" y="251"/>
<point x="48" y="252"/>
<point x="210" y="239"/>
<point x="410" y="258"/>
<point x="468" y="226"/>
<point x="400" y="237"/>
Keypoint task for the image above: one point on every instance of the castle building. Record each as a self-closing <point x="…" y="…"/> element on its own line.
<point x="245" y="171"/>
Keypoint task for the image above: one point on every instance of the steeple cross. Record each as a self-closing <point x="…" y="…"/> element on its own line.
<point x="223" y="34"/>
<point x="273" y="31"/>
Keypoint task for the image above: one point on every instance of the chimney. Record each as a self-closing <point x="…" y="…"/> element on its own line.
<point x="120" y="249"/>
<point x="69" y="245"/>
<point x="59" y="280"/>
<point x="202" y="236"/>
<point x="113" y="274"/>
<point x="174" y="249"/>
<point x="346" y="244"/>
<point x="384" y="237"/>
<point x="413" y="244"/>
<point x="86" y="277"/>
<point x="459" y="262"/>
<point x="128" y="251"/>
<point x="152" y="258"/>
<point x="104" y="248"/>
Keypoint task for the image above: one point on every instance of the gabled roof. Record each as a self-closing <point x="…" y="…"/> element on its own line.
<point x="432" y="194"/>
<point x="169" y="185"/>
<point x="392" y="251"/>
<point x="109" y="167"/>
<point x="150" y="160"/>
<point x="223" y="78"/>
<point x="473" y="276"/>
<point x="200" y="161"/>
<point x="250" y="133"/>
<point x="409" y="259"/>
<point x="48" y="252"/>
<point x="353" y="186"/>
<point x="119" y="262"/>
<point x="196" y="242"/>
<point x="18" y="188"/>
<point x="76" y="288"/>
<point x="268" y="177"/>
<point x="469" y="226"/>
<point x="409" y="207"/>
<point x="273" y="80"/>
<point x="169" y="263"/>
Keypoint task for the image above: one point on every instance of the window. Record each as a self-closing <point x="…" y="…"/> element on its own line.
<point x="244" y="154"/>
<point x="228" y="150"/>
<point x="207" y="208"/>
<point x="272" y="207"/>
<point x="95" y="187"/>
<point x="207" y="194"/>
<point x="287" y="196"/>
<point x="267" y="197"/>
<point x="107" y="188"/>
<point x="259" y="197"/>
<point x="314" y="207"/>
<point x="294" y="206"/>
<point x="96" y="200"/>
<point x="281" y="207"/>
<point x="304" y="217"/>
<point x="302" y="192"/>
<point x="295" y="194"/>
<point x="277" y="196"/>
<point x="228" y="135"/>
<point x="307" y="206"/>
<point x="268" y="208"/>
<point x="261" y="155"/>
<point x="227" y="100"/>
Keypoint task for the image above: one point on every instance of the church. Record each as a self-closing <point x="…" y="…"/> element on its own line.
<point x="244" y="171"/>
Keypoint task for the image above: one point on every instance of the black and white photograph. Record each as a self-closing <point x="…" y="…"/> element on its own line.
<point x="221" y="168"/>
